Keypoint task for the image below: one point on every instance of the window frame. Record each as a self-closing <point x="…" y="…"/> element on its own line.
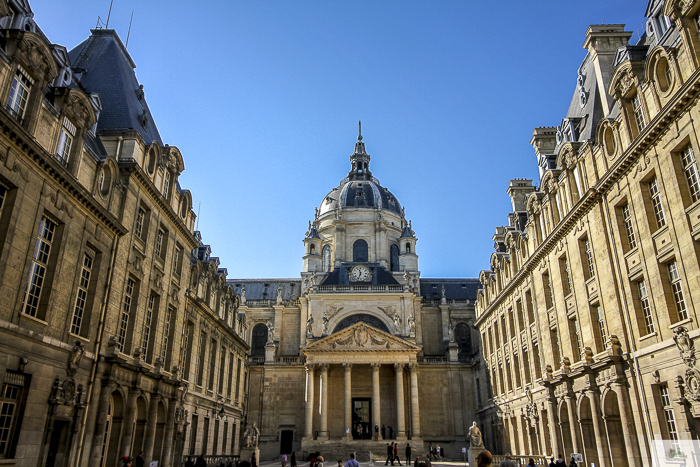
<point x="20" y="91"/>
<point x="83" y="292"/>
<point x="39" y="266"/>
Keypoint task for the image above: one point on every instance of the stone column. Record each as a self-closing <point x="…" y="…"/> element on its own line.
<point x="151" y="429"/>
<point x="628" y="430"/>
<point x="400" y="418"/>
<point x="415" y="415"/>
<point x="125" y="449"/>
<point x="573" y="422"/>
<point x="323" y="432"/>
<point x="309" y="416"/>
<point x="348" y="400"/>
<point x="376" y="407"/>
<point x="600" y="436"/>
<point x="553" y="425"/>
<point x="105" y="395"/>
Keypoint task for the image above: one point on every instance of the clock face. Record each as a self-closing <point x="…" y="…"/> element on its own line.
<point x="360" y="274"/>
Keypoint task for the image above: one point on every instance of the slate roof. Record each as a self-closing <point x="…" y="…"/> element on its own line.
<point x="455" y="289"/>
<point x="345" y="195"/>
<point x="109" y="71"/>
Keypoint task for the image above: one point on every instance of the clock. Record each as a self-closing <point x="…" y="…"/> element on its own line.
<point x="360" y="274"/>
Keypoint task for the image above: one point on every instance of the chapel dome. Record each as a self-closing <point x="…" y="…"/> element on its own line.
<point x="360" y="189"/>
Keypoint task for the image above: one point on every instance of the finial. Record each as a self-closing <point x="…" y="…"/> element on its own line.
<point x="359" y="134"/>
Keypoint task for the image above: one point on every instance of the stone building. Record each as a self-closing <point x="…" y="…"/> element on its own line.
<point x="118" y="332"/>
<point x="587" y="313"/>
<point x="360" y="339"/>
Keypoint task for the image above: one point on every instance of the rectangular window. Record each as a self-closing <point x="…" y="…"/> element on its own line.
<point x="677" y="287"/>
<point x="599" y="327"/>
<point x="167" y="325"/>
<point x="193" y="435"/>
<point x="3" y="196"/>
<point x="177" y="259"/>
<point x="548" y="295"/>
<point x="187" y="342"/>
<point x="629" y="226"/>
<point x="657" y="205"/>
<point x="478" y="393"/>
<point x="556" y="354"/>
<point x="216" y="437"/>
<point x="576" y="340"/>
<point x="40" y="259"/>
<point x="690" y="170"/>
<point x="496" y="334"/>
<point x="238" y="380"/>
<point x="166" y="184"/>
<point x="530" y="307"/>
<point x="669" y="414"/>
<point x="11" y="403"/>
<point x="126" y="311"/>
<point x="65" y="141"/>
<point x="504" y="330"/>
<point x="151" y="309"/>
<point x="19" y="94"/>
<point x="577" y="180"/>
<point x="200" y="361"/>
<point x="509" y="376"/>
<point x="159" y="241"/>
<point x="588" y="254"/>
<point x="511" y="321"/>
<point x="222" y="366"/>
<point x="82" y="295"/>
<point x="212" y="365"/>
<point x="516" y="366"/>
<point x="205" y="437"/>
<point x="646" y="307"/>
<point x="223" y="448"/>
<point x="526" y="365"/>
<point x="565" y="275"/>
<point x="536" y="358"/>
<point x="231" y="358"/>
<point x="138" y="225"/>
<point x="519" y="311"/>
<point x="638" y="112"/>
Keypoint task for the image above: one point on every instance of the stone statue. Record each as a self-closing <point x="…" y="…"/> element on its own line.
<point x="411" y="324"/>
<point x="397" y="322"/>
<point x="252" y="434"/>
<point x="451" y="332"/>
<point x="310" y="327"/>
<point x="243" y="294"/>
<point x="475" y="439"/>
<point x="325" y="326"/>
<point x="279" y="294"/>
<point x="270" y="330"/>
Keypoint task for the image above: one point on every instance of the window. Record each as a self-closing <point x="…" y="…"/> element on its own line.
<point x="238" y="380"/>
<point x="690" y="170"/>
<point x="221" y="370"/>
<point x="677" y="287"/>
<point x="360" y="251"/>
<point x="151" y="308"/>
<point x="159" y="241"/>
<point x="511" y="322"/>
<point x="166" y="332"/>
<point x="166" y="184"/>
<point x="82" y="295"/>
<point x="646" y="307"/>
<point x="495" y="332"/>
<point x="516" y="366"/>
<point x="11" y="401"/>
<point x="187" y="341"/>
<point x="394" y="258"/>
<point x="519" y="308"/>
<point x="129" y="296"/>
<point x="548" y="296"/>
<point x="536" y="358"/>
<point x="530" y="307"/>
<point x="599" y="325"/>
<point x="231" y="357"/>
<point x="526" y="365"/>
<point x="140" y="218"/>
<point x="638" y="112"/>
<point x="629" y="227"/>
<point x="212" y="365"/>
<point x="565" y="275"/>
<point x="509" y="377"/>
<point x="669" y="415"/>
<point x="19" y="94"/>
<point x="326" y="258"/>
<point x="193" y="434"/>
<point x="65" y="141"/>
<point x="40" y="259"/>
<point x="200" y="360"/>
<point x="576" y="341"/>
<point x="556" y="356"/>
<point x="589" y="266"/>
<point x="656" y="203"/>
<point x="577" y="180"/>
<point x="177" y="260"/>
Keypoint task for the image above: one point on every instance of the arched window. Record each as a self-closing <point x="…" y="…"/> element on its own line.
<point x="463" y="337"/>
<point x="257" y="348"/>
<point x="408" y="247"/>
<point x="359" y="251"/>
<point x="394" y="258"/>
<point x="326" y="258"/>
<point x="312" y="249"/>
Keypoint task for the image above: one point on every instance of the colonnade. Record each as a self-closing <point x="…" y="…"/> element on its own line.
<point x="323" y="369"/>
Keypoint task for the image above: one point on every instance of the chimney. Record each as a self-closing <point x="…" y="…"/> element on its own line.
<point x="518" y="190"/>
<point x="544" y="140"/>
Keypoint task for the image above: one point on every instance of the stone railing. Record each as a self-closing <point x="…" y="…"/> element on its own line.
<point x="293" y="360"/>
<point x="433" y="360"/>
<point x="359" y="288"/>
<point x="256" y="360"/>
<point x="267" y="303"/>
<point x="522" y="460"/>
<point x="454" y="302"/>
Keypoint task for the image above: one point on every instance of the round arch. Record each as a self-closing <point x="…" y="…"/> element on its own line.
<point x="258" y="341"/>
<point x="368" y="319"/>
<point x="360" y="251"/>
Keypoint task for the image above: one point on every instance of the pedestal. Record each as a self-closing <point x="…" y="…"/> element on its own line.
<point x="270" y="352"/>
<point x="453" y="349"/>
<point x="473" y="452"/>
<point x="247" y="454"/>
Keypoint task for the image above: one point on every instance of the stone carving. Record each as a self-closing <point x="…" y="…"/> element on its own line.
<point x="251" y="436"/>
<point x="66" y="393"/>
<point x="310" y="327"/>
<point x="549" y="371"/>
<point x="74" y="358"/>
<point x="397" y="322"/>
<point x="270" y="331"/>
<point x="451" y="331"/>
<point x="411" y="325"/>
<point x="407" y="278"/>
<point x="243" y="294"/>
<point x="332" y="311"/>
<point x="587" y="356"/>
<point x="475" y="439"/>
<point x="626" y="83"/>
<point x="279" y="294"/>
<point x="324" y="330"/>
<point x="685" y="345"/>
<point x="692" y="385"/>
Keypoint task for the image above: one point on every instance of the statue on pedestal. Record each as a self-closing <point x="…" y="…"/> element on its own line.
<point x="251" y="435"/>
<point x="475" y="440"/>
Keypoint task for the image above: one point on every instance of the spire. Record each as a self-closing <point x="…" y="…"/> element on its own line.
<point x="359" y="160"/>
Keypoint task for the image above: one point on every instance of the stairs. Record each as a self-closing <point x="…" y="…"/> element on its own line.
<point x="335" y="450"/>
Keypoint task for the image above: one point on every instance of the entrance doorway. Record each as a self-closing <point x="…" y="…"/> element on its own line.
<point x="362" y="418"/>
<point x="286" y="441"/>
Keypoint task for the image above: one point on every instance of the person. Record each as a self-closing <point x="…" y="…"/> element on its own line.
<point x="438" y="453"/>
<point x="313" y="461"/>
<point x="531" y="462"/>
<point x="359" y="431"/>
<point x="389" y="455"/>
<point x="396" y="453"/>
<point x="188" y="462"/>
<point x="230" y="462"/>
<point x="560" y="461"/>
<point x="244" y="464"/>
<point x="408" y="454"/>
<point x="126" y="461"/>
<point x="552" y="464"/>
<point x="294" y="459"/>
<point x="430" y="450"/>
<point x="383" y="432"/>
<point x="340" y="463"/>
<point x="200" y="462"/>
<point x="376" y="432"/>
<point x="507" y="462"/>
<point x="220" y="462"/>
<point x="139" y="461"/>
<point x="253" y="461"/>
<point x="573" y="463"/>
<point x="427" y="462"/>
<point x="484" y="458"/>
<point x="352" y="462"/>
<point x="283" y="458"/>
<point x="415" y="464"/>
<point x="391" y="433"/>
<point x="319" y="461"/>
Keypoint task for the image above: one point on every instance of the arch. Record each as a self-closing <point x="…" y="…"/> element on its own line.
<point x="185" y="203"/>
<point x="463" y="337"/>
<point x="35" y="55"/>
<point x="565" y="427"/>
<point x="408" y="247"/>
<point x="312" y="249"/>
<point x="371" y="320"/>
<point x="613" y="425"/>
<point x="258" y="341"/>
<point x="140" y="424"/>
<point x="78" y="108"/>
<point x="108" y="176"/>
<point x="360" y="251"/>
<point x="160" y="432"/>
<point x="659" y="69"/>
<point x="608" y="137"/>
<point x="113" y="428"/>
<point x="152" y="159"/>
<point x="585" y="419"/>
<point x="394" y="258"/>
<point x="326" y="258"/>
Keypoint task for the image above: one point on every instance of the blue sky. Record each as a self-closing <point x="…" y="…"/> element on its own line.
<point x="263" y="98"/>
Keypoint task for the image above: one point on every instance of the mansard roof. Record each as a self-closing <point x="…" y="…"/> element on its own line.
<point x="455" y="288"/>
<point x="105" y="67"/>
<point x="255" y="288"/>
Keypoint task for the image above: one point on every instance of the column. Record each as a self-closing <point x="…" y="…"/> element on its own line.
<point x="323" y="433"/>
<point x="553" y="425"/>
<point x="628" y="431"/>
<point x="125" y="448"/>
<point x="376" y="415"/>
<point x="105" y="395"/>
<point x="169" y="441"/>
<point x="601" y="438"/>
<point x="400" y="418"/>
<point x="308" y="422"/>
<point x="348" y="400"/>
<point x="151" y="428"/>
<point x="415" y="415"/>
<point x="573" y="421"/>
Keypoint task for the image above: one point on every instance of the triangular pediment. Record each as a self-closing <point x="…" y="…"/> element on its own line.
<point x="361" y="337"/>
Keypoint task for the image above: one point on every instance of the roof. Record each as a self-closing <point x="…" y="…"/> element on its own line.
<point x="266" y="289"/>
<point x="109" y="71"/>
<point x="367" y="194"/>
<point x="455" y="288"/>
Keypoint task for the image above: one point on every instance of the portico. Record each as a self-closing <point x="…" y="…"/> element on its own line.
<point x="361" y="362"/>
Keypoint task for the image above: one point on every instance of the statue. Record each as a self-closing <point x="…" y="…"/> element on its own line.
<point x="279" y="294"/>
<point x="451" y="332"/>
<point x="251" y="436"/>
<point x="310" y="327"/>
<point x="325" y="326"/>
<point x="397" y="322"/>
<point x="411" y="324"/>
<point x="270" y="330"/>
<point x="475" y="440"/>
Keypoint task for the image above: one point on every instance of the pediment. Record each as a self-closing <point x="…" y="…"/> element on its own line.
<point x="361" y="337"/>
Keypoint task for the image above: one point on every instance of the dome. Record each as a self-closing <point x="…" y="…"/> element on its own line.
<point x="360" y="189"/>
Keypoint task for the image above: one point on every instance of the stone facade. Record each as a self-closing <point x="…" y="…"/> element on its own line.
<point x="118" y="332"/>
<point x="587" y="313"/>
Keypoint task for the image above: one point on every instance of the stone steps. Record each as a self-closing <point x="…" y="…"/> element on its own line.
<point x="335" y="450"/>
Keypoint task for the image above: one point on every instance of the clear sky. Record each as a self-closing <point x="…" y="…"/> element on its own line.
<point x="263" y="97"/>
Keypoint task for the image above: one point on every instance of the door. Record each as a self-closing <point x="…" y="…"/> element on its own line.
<point x="58" y="446"/>
<point x="286" y="440"/>
<point x="362" y="418"/>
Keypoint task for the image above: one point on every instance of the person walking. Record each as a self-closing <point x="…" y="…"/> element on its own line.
<point x="396" y="453"/>
<point x="294" y="459"/>
<point x="139" y="461"/>
<point x="200" y="462"/>
<point x="352" y="462"/>
<point x="408" y="454"/>
<point x="283" y="458"/>
<point x="437" y="451"/>
<point x="389" y="452"/>
<point x="484" y="459"/>
<point x="560" y="461"/>
<point x="507" y="462"/>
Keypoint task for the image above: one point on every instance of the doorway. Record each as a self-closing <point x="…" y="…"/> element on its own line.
<point x="286" y="441"/>
<point x="59" y="444"/>
<point x="361" y="418"/>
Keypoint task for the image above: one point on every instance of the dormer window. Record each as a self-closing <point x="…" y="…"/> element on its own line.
<point x="65" y="141"/>
<point x="638" y="112"/>
<point x="19" y="94"/>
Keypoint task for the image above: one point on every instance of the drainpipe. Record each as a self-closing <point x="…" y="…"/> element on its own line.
<point x="118" y="154"/>
<point x="98" y="344"/>
<point x="630" y="336"/>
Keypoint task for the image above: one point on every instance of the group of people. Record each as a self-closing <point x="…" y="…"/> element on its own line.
<point x="392" y="453"/>
<point x="199" y="461"/>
